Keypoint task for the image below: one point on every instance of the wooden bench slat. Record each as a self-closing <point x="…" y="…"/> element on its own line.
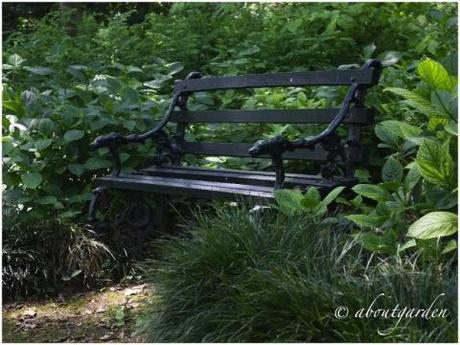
<point x="359" y="116"/>
<point x="230" y="171"/>
<point x="356" y="154"/>
<point x="195" y="188"/>
<point x="334" y="77"/>
<point x="184" y="187"/>
<point x="261" y="178"/>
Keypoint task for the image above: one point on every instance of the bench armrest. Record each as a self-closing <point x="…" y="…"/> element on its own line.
<point x="113" y="140"/>
<point x="278" y="145"/>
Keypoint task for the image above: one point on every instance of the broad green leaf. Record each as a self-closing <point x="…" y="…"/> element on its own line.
<point x="392" y="170"/>
<point x="374" y="242"/>
<point x="434" y="162"/>
<point x="129" y="124"/>
<point x="364" y="220"/>
<point x="450" y="246"/>
<point x="372" y="191"/>
<point x="441" y="100"/>
<point x="388" y="131"/>
<point x="95" y="163"/>
<point x="153" y="84"/>
<point x="441" y="198"/>
<point x="430" y="172"/>
<point x="204" y="98"/>
<point x="76" y="169"/>
<point x="452" y="128"/>
<point x="401" y="129"/>
<point x="15" y="60"/>
<point x="289" y="201"/>
<point x="73" y="134"/>
<point x="362" y="175"/>
<point x="15" y="196"/>
<point x="369" y="50"/>
<point x="386" y="135"/>
<point x="7" y="145"/>
<point x="447" y="160"/>
<point x="409" y="244"/>
<point x="39" y="70"/>
<point x="392" y="186"/>
<point x="416" y="101"/>
<point x="46" y="126"/>
<point x="174" y="67"/>
<point x="134" y="69"/>
<point x="311" y="198"/>
<point x="28" y="97"/>
<point x="47" y="200"/>
<point x="434" y="74"/>
<point x="76" y="72"/>
<point x="32" y="180"/>
<point x="332" y="195"/>
<point x="433" y="225"/>
<point x="79" y="67"/>
<point x="250" y="51"/>
<point x="302" y="97"/>
<point x="390" y="58"/>
<point x="412" y="177"/>
<point x="42" y="144"/>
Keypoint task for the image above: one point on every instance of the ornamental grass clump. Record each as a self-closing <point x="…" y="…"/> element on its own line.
<point x="236" y="276"/>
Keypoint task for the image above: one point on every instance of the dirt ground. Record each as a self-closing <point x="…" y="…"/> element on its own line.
<point x="107" y="315"/>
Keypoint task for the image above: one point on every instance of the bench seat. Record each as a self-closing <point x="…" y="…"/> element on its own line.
<point x="208" y="183"/>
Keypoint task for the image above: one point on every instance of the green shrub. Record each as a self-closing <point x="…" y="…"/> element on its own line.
<point x="61" y="91"/>
<point x="40" y="257"/>
<point x="237" y="276"/>
<point x="424" y="144"/>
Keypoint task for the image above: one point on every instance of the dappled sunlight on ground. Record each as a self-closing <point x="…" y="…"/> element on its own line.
<point x="107" y="315"/>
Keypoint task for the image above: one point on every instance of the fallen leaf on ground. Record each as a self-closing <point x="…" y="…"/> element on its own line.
<point x="106" y="337"/>
<point x="29" y="313"/>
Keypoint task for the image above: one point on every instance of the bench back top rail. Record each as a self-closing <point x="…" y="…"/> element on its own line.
<point x="320" y="78"/>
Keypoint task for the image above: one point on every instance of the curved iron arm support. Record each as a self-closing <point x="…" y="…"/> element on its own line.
<point x="114" y="138"/>
<point x="117" y="139"/>
<point x="278" y="145"/>
<point x="338" y="119"/>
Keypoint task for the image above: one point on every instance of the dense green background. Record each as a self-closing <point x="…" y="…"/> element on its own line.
<point x="71" y="75"/>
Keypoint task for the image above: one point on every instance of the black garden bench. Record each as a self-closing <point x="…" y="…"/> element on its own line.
<point x="170" y="176"/>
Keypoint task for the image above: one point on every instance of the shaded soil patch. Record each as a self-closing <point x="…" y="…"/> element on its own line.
<point x="107" y="315"/>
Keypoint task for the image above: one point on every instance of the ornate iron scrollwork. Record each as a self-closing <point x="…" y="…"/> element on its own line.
<point x="328" y="138"/>
<point x="335" y="148"/>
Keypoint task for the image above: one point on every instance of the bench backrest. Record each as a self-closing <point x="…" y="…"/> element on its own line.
<point x="359" y="115"/>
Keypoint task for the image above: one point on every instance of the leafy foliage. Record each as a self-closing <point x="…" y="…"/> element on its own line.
<point x="430" y="183"/>
<point x="241" y="277"/>
<point x="292" y="202"/>
<point x="61" y="89"/>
